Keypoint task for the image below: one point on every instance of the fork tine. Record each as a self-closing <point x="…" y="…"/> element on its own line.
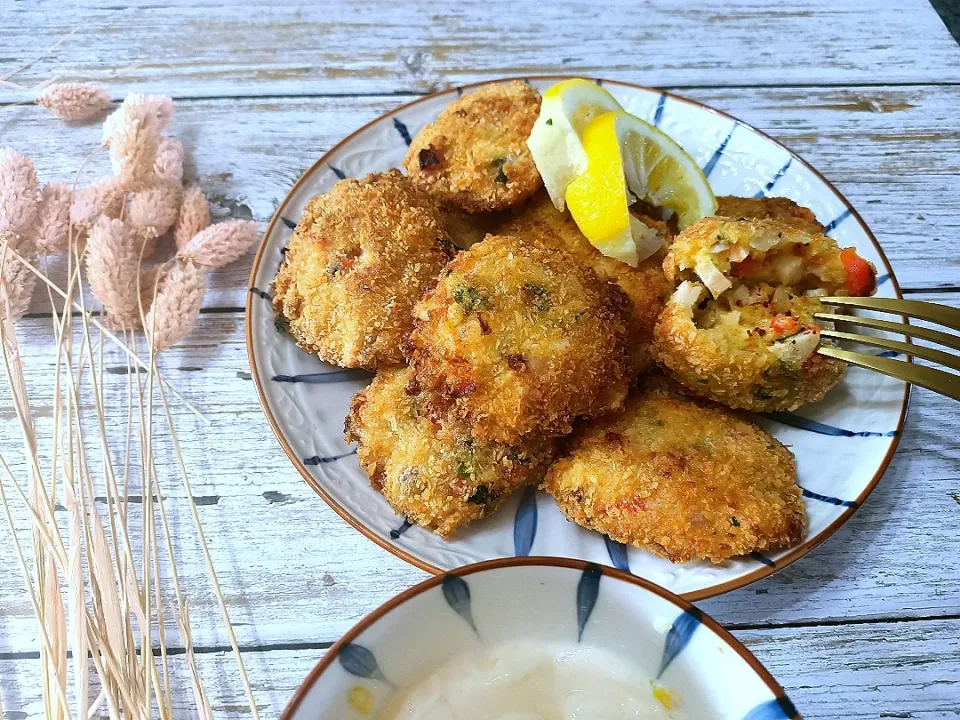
<point x="934" y="312"/>
<point x="937" y="380"/>
<point x="937" y="356"/>
<point x="900" y="328"/>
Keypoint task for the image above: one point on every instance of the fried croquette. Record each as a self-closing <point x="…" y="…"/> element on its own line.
<point x="438" y="477"/>
<point x="781" y="209"/>
<point x="684" y="481"/>
<point x="519" y="338"/>
<point x="361" y="256"/>
<point x="474" y="156"/>
<point x="645" y="285"/>
<point x="753" y="348"/>
<point x="719" y="250"/>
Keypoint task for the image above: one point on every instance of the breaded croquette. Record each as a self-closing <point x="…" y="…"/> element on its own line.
<point x="721" y="250"/>
<point x="361" y="256"/>
<point x="684" y="481"/>
<point x="752" y="348"/>
<point x="474" y="156"/>
<point x="645" y="285"/>
<point x="784" y="210"/>
<point x="437" y="477"/>
<point x="518" y="338"/>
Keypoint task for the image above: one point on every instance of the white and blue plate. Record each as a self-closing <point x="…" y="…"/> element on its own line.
<point x="689" y="658"/>
<point x="842" y="444"/>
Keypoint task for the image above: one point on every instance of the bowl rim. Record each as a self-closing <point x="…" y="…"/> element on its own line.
<point x="764" y="570"/>
<point x="543" y="561"/>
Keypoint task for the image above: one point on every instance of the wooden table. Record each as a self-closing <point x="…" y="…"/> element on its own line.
<point x="867" y="90"/>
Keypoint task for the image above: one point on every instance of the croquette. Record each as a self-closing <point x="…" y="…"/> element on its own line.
<point x="645" y="285"/>
<point x="718" y="250"/>
<point x="474" y="156"/>
<point x="360" y="258"/>
<point x="517" y="338"/>
<point x="784" y="210"/>
<point x="686" y="482"/>
<point x="438" y="476"/>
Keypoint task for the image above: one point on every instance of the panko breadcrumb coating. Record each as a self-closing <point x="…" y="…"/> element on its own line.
<point x="518" y="338"/>
<point x="753" y="348"/>
<point x="474" y="156"/>
<point x="361" y="256"/>
<point x="684" y="481"/>
<point x="645" y="285"/>
<point x="771" y="208"/>
<point x="438" y="477"/>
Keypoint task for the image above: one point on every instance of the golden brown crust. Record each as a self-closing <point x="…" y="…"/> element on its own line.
<point x="733" y="353"/>
<point x="361" y="256"/>
<point x="440" y="477"/>
<point x="645" y="285"/>
<point x="518" y="338"/>
<point x="684" y="481"/>
<point x="474" y="156"/>
<point x="773" y="208"/>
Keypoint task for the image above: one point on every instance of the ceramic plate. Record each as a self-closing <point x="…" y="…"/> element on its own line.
<point x="695" y="664"/>
<point x="842" y="444"/>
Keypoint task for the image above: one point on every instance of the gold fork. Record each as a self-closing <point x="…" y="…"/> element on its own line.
<point x="937" y="380"/>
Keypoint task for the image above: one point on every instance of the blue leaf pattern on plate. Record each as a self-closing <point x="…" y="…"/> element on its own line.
<point x="718" y="153"/>
<point x="395" y="534"/>
<point x="334" y="376"/>
<point x="525" y="523"/>
<point x="318" y="460"/>
<point x="618" y="554"/>
<point x="288" y="222"/>
<point x="679" y="636"/>
<point x="827" y="498"/>
<point x="776" y="709"/>
<point x="658" y="113"/>
<point x="820" y="428"/>
<point x="587" y="591"/>
<point x="260" y="293"/>
<point x="358" y="660"/>
<point x="760" y="558"/>
<point x="780" y="173"/>
<point x="456" y="592"/>
<point x="402" y="129"/>
<point x="832" y="225"/>
<point x="338" y="172"/>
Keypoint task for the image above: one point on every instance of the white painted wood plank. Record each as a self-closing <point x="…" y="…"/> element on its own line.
<point x="894" y="152"/>
<point x="295" y="47"/>
<point x="886" y="670"/>
<point x="294" y="571"/>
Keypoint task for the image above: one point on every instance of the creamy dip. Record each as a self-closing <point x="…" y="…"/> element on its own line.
<point x="533" y="681"/>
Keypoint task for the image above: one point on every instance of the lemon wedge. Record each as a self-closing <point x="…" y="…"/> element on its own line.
<point x="629" y="159"/>
<point x="567" y="108"/>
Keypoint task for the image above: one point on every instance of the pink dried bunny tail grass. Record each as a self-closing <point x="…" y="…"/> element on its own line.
<point x="18" y="192"/>
<point x="177" y="306"/>
<point x="221" y="244"/>
<point x="194" y="216"/>
<point x="75" y="101"/>
<point x="132" y="133"/>
<point x="113" y="264"/>
<point x="17" y="282"/>
<point x="51" y="231"/>
<point x="152" y="211"/>
<point x="105" y="198"/>
<point x="168" y="166"/>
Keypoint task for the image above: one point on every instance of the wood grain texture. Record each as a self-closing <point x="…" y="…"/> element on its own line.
<point x="881" y="670"/>
<point x="294" y="571"/>
<point x="365" y="46"/>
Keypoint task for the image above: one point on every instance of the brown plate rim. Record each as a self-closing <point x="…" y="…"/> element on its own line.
<point x="762" y="572"/>
<point x="531" y="561"/>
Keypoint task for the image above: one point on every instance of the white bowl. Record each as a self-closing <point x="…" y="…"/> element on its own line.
<point x="540" y="599"/>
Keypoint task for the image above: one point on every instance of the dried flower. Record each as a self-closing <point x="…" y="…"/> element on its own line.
<point x="133" y="134"/>
<point x="152" y="212"/>
<point x="150" y="278"/>
<point x="75" y="101"/>
<point x="194" y="216"/>
<point x="18" y="192"/>
<point x="52" y="226"/>
<point x="113" y="265"/>
<point x="104" y="198"/>
<point x="221" y="244"/>
<point x="169" y="163"/>
<point x="17" y="282"/>
<point x="177" y="306"/>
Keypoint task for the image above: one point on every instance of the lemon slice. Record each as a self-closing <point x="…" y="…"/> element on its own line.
<point x="629" y="159"/>
<point x="567" y="108"/>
